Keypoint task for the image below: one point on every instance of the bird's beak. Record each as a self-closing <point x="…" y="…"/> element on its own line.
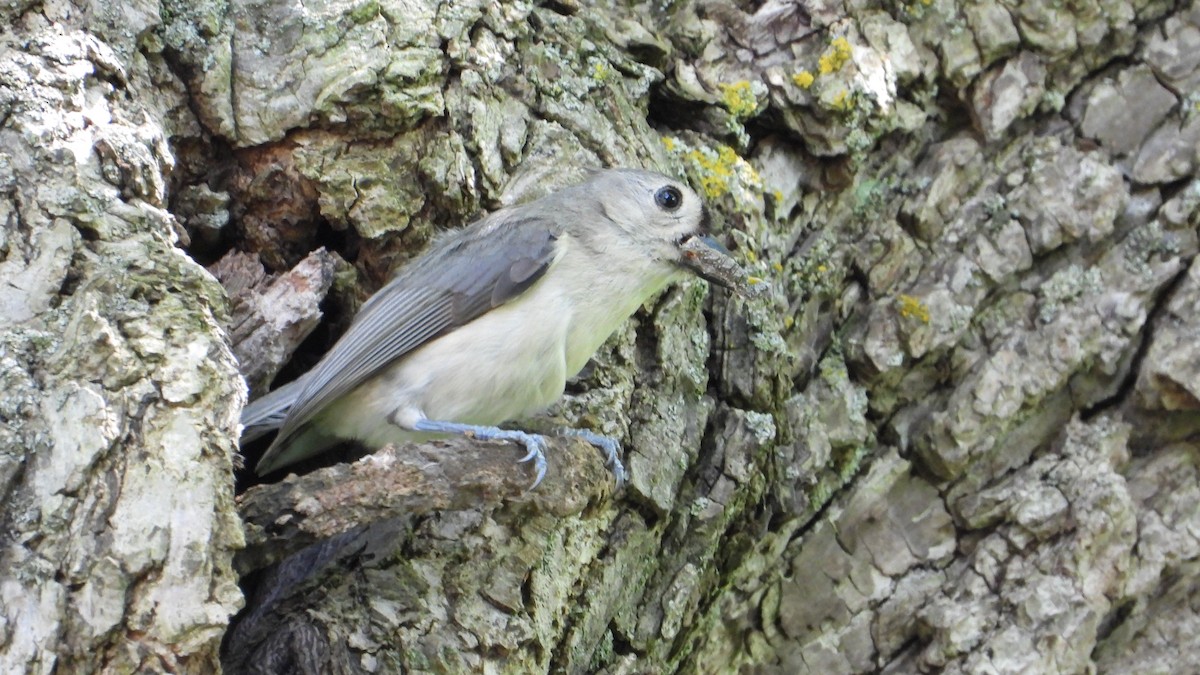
<point x="710" y="260"/>
<point x="706" y="257"/>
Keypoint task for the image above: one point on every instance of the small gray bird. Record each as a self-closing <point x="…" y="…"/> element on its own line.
<point x="489" y="324"/>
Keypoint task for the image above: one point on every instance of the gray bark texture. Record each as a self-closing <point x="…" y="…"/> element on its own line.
<point x="961" y="434"/>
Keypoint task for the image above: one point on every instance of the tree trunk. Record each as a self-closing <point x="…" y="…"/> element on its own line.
<point x="120" y="396"/>
<point x="961" y="434"/>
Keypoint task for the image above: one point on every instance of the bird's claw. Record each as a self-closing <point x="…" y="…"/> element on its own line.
<point x="609" y="446"/>
<point x="537" y="453"/>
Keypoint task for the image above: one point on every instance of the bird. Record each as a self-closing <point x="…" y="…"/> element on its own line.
<point x="492" y="320"/>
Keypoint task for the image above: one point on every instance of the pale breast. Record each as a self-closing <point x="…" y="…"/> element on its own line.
<point x="508" y="363"/>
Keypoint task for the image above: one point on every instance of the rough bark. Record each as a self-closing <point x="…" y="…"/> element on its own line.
<point x="960" y="436"/>
<point x="119" y="396"/>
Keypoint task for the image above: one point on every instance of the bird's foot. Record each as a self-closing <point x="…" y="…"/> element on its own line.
<point x="609" y="446"/>
<point x="534" y="443"/>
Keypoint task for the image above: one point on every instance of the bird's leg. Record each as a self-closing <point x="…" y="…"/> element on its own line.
<point x="609" y="446"/>
<point x="534" y="443"/>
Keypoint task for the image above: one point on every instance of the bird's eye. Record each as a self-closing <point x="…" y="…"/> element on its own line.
<point x="668" y="198"/>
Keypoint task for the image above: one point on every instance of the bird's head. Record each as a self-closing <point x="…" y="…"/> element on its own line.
<point x="666" y="223"/>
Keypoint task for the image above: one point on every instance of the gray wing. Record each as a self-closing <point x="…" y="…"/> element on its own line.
<point x="468" y="274"/>
<point x="267" y="413"/>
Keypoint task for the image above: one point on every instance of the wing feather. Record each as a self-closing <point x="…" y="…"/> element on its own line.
<point x="465" y="275"/>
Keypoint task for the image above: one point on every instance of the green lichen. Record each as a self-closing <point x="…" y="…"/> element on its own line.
<point x="817" y="272"/>
<point x="819" y="495"/>
<point x="871" y="198"/>
<point x="995" y="205"/>
<point x="1066" y="286"/>
<point x="364" y="13"/>
<point x="833" y="368"/>
<point x="917" y="10"/>
<point x="848" y="464"/>
<point x="859" y="141"/>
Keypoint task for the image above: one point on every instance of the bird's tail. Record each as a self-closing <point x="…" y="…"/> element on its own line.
<point x="267" y="413"/>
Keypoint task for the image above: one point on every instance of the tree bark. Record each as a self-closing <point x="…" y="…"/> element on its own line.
<point x="961" y="434"/>
<point x="120" y="397"/>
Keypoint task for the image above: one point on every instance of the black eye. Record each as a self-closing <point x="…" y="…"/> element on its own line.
<point x="668" y="198"/>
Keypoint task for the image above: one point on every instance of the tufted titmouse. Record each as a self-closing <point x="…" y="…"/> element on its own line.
<point x="489" y="324"/>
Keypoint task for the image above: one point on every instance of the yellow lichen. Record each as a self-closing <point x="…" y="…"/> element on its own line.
<point x="668" y="143"/>
<point x="716" y="169"/>
<point x="788" y="322"/>
<point x="911" y="307"/>
<point x="720" y="170"/>
<point x="835" y="57"/>
<point x="777" y="267"/>
<point x="803" y="79"/>
<point x="738" y="98"/>
<point x="842" y="102"/>
<point x="821" y="269"/>
<point x="601" y="71"/>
